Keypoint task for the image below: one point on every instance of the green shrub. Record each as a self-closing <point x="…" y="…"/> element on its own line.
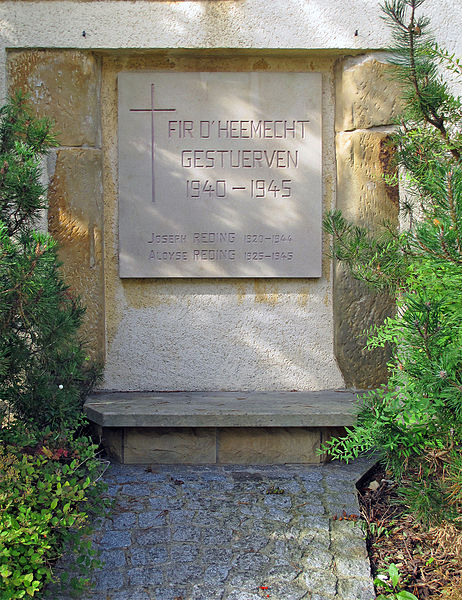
<point x="415" y="422"/>
<point x="41" y="500"/>
<point x="48" y="479"/>
<point x="44" y="374"/>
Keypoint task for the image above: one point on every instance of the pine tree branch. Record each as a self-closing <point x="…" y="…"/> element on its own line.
<point x="430" y="116"/>
<point x="442" y="257"/>
<point x="411" y="31"/>
<point x="452" y="210"/>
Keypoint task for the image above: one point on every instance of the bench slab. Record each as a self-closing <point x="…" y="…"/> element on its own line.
<point x="325" y="408"/>
<point x="220" y="427"/>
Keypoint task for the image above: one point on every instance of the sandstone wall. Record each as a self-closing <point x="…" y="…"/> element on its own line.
<point x="213" y="334"/>
<point x="366" y="105"/>
<point x="64" y="85"/>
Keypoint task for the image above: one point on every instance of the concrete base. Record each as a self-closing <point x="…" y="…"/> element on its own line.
<point x="226" y="428"/>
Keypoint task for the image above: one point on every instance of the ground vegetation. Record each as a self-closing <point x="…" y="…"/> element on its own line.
<point x="414" y="422"/>
<point x="49" y="474"/>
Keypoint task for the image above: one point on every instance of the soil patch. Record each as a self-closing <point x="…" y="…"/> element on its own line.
<point x="429" y="560"/>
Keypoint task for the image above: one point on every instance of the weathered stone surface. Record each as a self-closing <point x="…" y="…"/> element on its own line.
<point x="268" y="445"/>
<point x="204" y="445"/>
<point x="221" y="334"/>
<point x="115" y="539"/>
<point x="64" y="85"/>
<point x="327" y="433"/>
<point x="364" y="198"/>
<point x="367" y="95"/>
<point x="155" y="555"/>
<point x="125" y="521"/>
<point x="363" y="157"/>
<point x="255" y="427"/>
<point x="170" y="446"/>
<point x="347" y="566"/>
<point x="132" y="594"/>
<point x="357" y="309"/>
<point x="325" y="408"/>
<point x="75" y="218"/>
<point x="320" y="581"/>
<point x="356" y="589"/>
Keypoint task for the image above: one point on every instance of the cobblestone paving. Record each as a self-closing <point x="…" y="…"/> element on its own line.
<point x="232" y="533"/>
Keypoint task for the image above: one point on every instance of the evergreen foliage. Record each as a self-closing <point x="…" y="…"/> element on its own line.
<point x="415" y="421"/>
<point x="49" y="478"/>
<point x="44" y="376"/>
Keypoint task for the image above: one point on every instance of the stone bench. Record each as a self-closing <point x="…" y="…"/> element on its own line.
<point x="219" y="427"/>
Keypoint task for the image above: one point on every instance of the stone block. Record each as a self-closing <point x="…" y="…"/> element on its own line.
<point x="115" y="539"/>
<point x="322" y="408"/>
<point x="153" y="536"/>
<point x="154" y="555"/>
<point x="367" y="95"/>
<point x="321" y="580"/>
<point x="104" y="581"/>
<point x="63" y="85"/>
<point x="266" y="445"/>
<point x="363" y="157"/>
<point x="223" y="254"/>
<point x="357" y="309"/>
<point x="151" y="519"/>
<point x="356" y="589"/>
<point x="124" y="521"/>
<point x="112" y="439"/>
<point x="112" y="559"/>
<point x="347" y="565"/>
<point x="132" y="594"/>
<point x="169" y="445"/>
<point x="75" y="219"/>
<point x="144" y="576"/>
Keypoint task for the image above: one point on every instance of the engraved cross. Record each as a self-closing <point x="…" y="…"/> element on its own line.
<point x="152" y="110"/>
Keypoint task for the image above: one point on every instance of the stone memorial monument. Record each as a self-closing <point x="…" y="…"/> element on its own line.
<point x="200" y="143"/>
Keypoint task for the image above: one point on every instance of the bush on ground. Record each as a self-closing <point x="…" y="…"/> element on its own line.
<point x="43" y="497"/>
<point x="48" y="475"/>
<point x="44" y="375"/>
<point x="415" y="421"/>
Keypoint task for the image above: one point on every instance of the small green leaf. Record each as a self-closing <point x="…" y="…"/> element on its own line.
<point x="404" y="595"/>
<point x="5" y="571"/>
<point x="394" y="574"/>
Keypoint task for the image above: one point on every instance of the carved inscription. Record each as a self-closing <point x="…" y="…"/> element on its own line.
<point x="219" y="174"/>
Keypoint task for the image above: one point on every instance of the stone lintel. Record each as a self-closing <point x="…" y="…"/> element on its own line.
<point x="326" y="408"/>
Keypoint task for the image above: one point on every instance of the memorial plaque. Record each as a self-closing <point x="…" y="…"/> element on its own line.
<point x="220" y="174"/>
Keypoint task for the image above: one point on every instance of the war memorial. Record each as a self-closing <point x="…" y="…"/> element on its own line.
<point x="200" y="144"/>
